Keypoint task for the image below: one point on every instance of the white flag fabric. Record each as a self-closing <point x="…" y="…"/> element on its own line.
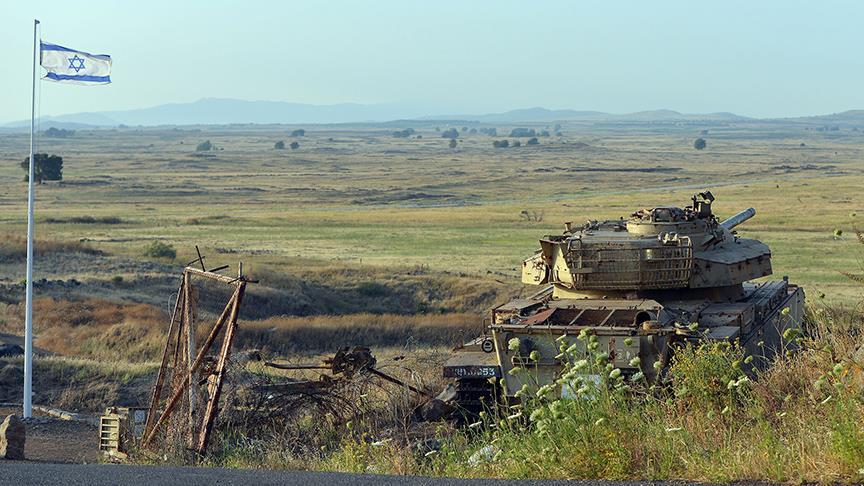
<point x="66" y="65"/>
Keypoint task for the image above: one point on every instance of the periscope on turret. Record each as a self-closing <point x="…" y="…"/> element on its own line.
<point x="666" y="276"/>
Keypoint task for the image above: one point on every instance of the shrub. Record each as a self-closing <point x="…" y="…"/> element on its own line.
<point x="709" y="376"/>
<point x="280" y="145"/>
<point x="59" y="133"/>
<point x="157" y="249"/>
<point x="298" y="133"/>
<point x="453" y="143"/>
<point x="372" y="289"/>
<point x="450" y="133"/>
<point x="500" y="144"/>
<point x="406" y="133"/>
<point x="532" y="141"/>
<point x="204" y="146"/>
<point x="295" y="145"/>
<point x="522" y="132"/>
<point x="700" y="144"/>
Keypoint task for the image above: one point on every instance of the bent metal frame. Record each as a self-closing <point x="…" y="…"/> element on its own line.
<point x="190" y="407"/>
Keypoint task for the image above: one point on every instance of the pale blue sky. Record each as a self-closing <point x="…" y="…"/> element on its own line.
<point x="757" y="58"/>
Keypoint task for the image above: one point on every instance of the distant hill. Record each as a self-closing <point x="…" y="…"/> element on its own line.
<point x="220" y="111"/>
<point x="526" y="115"/>
<point x="845" y="118"/>
<point x="545" y="115"/>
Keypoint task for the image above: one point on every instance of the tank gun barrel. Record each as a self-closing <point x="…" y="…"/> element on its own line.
<point x="739" y="218"/>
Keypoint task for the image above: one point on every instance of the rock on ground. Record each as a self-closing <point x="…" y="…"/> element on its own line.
<point x="12" y="437"/>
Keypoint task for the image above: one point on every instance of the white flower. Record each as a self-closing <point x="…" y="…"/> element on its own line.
<point x="513" y="344"/>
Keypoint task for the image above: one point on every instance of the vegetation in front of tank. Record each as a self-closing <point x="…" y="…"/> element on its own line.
<point x="799" y="420"/>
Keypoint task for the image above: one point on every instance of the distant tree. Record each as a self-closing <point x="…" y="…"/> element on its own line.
<point x="532" y="141"/>
<point x="280" y="145"/>
<point x="492" y="132"/>
<point x="699" y="144"/>
<point x="437" y="129"/>
<point x="523" y="132"/>
<point x="48" y="168"/>
<point x="298" y="133"/>
<point x="703" y="132"/>
<point x="450" y="133"/>
<point x="516" y="143"/>
<point x="500" y="144"/>
<point x="204" y="146"/>
<point x="59" y="132"/>
<point x="472" y="131"/>
<point x="403" y="133"/>
<point x="544" y="133"/>
<point x="419" y="137"/>
<point x="453" y="143"/>
<point x="294" y="145"/>
<point x="557" y="127"/>
<point x="464" y="129"/>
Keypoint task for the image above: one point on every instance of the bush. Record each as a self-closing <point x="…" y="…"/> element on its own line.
<point x="295" y="145"/>
<point x="532" y="141"/>
<point x="280" y="145"/>
<point x="708" y="377"/>
<point x="406" y="133"/>
<point x="516" y="143"/>
<point x="59" y="133"/>
<point x="204" y="146"/>
<point x="450" y="133"/>
<point x="298" y="133"/>
<point x="500" y="144"/>
<point x="372" y="289"/>
<point x="699" y="144"/>
<point x="157" y="249"/>
<point x="523" y="132"/>
<point x="453" y="143"/>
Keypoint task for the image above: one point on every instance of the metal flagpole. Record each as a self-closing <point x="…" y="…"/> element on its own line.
<point x="28" y="316"/>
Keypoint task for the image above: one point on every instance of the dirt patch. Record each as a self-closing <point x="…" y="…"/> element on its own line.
<point x="58" y="441"/>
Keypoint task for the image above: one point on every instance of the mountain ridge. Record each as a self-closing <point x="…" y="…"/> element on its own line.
<point x="227" y="111"/>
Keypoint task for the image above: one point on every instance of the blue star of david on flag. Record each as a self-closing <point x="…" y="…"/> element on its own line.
<point x="76" y="63"/>
<point x="66" y="65"/>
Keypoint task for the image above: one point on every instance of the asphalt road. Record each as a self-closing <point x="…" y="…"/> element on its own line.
<point x="32" y="473"/>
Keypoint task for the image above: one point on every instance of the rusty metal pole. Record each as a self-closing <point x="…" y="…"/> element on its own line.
<point x="190" y="353"/>
<point x="224" y="354"/>
<point x="160" y="378"/>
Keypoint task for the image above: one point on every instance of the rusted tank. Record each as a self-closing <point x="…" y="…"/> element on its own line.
<point x="665" y="276"/>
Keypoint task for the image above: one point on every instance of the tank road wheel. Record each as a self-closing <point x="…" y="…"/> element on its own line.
<point x="474" y="395"/>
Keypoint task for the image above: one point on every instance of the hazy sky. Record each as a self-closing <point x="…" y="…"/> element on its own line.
<point x="757" y="58"/>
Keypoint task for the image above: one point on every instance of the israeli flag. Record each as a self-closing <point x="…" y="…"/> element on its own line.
<point x="66" y="65"/>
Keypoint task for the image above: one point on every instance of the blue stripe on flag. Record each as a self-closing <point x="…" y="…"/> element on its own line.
<point x="72" y="77"/>
<point x="54" y="47"/>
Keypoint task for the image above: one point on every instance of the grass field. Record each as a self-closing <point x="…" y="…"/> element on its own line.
<point x="402" y="244"/>
<point x="360" y="196"/>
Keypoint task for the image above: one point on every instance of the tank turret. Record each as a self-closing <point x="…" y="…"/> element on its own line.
<point x="657" y="248"/>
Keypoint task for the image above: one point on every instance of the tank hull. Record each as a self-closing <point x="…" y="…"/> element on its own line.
<point x="625" y="328"/>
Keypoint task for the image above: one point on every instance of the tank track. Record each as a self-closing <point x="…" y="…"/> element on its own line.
<point x="474" y="395"/>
